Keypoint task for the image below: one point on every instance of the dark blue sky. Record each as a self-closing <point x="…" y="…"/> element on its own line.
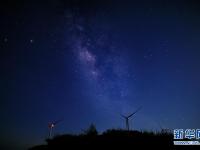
<point x="90" y="61"/>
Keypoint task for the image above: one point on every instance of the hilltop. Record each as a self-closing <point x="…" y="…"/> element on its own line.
<point x="114" y="138"/>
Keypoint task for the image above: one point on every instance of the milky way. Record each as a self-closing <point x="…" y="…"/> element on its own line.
<point x="91" y="61"/>
<point x="106" y="75"/>
<point x="101" y="64"/>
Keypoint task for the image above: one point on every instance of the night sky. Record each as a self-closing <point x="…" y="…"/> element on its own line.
<point x="90" y="61"/>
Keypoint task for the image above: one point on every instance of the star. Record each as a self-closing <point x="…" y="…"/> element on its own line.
<point x="5" y="40"/>
<point x="31" y="41"/>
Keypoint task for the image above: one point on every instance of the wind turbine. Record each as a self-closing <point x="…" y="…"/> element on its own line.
<point x="51" y="126"/>
<point x="128" y="117"/>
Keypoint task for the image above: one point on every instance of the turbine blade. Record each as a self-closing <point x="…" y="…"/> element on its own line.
<point x="134" y="112"/>
<point x="56" y="122"/>
<point x="131" y="114"/>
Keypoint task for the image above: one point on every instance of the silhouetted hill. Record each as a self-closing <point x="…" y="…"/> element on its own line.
<point x="110" y="138"/>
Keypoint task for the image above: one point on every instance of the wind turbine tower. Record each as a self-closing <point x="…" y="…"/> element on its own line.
<point x="128" y="117"/>
<point x="51" y="126"/>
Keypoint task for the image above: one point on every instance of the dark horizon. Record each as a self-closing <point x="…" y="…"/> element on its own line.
<point x="92" y="61"/>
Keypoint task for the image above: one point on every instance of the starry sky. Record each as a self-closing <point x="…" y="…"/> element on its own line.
<point x="90" y="61"/>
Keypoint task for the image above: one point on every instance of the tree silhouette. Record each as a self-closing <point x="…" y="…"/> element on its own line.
<point x="91" y="131"/>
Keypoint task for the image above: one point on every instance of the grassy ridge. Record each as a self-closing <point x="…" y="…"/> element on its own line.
<point x="110" y="138"/>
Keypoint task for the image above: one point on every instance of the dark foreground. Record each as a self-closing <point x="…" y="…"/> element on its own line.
<point x="109" y="139"/>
